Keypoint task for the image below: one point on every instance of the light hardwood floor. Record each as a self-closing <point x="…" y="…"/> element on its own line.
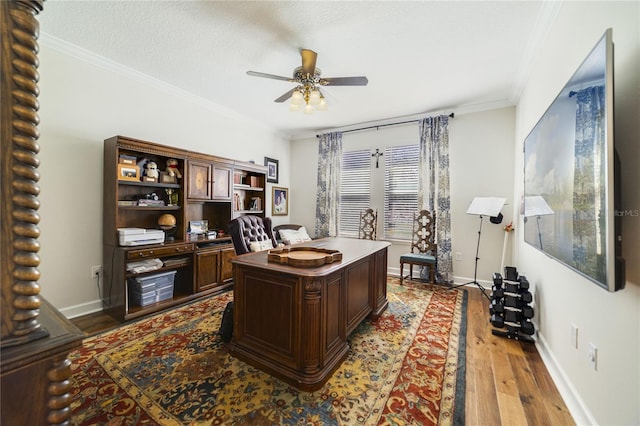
<point x="506" y="381"/>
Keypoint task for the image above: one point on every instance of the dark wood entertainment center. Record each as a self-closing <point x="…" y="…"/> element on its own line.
<point x="211" y="188"/>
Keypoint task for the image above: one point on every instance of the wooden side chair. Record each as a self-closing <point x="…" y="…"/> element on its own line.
<point x="368" y="224"/>
<point x="423" y="247"/>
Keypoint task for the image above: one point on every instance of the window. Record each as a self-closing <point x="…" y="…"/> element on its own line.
<point x="355" y="190"/>
<point x="400" y="190"/>
<point x="398" y="199"/>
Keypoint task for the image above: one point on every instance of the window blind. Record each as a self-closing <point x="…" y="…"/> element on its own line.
<point x="355" y="190"/>
<point x="400" y="190"/>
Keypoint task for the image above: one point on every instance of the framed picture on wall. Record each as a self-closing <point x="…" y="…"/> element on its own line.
<point x="272" y="169"/>
<point x="280" y="201"/>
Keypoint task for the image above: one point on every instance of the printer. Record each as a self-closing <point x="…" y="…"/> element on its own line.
<point x="140" y="236"/>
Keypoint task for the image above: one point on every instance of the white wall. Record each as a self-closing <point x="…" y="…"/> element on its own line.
<point x="85" y="100"/>
<point x="481" y="153"/>
<point x="610" y="395"/>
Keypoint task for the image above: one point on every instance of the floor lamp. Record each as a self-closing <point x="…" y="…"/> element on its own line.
<point x="483" y="206"/>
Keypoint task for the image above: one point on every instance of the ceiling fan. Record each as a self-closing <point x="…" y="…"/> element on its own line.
<point x="309" y="80"/>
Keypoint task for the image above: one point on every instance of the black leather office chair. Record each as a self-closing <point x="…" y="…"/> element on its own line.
<point x="247" y="229"/>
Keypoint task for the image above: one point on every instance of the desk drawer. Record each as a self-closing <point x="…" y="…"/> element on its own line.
<point x="160" y="251"/>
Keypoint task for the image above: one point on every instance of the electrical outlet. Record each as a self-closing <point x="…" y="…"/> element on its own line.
<point x="458" y="256"/>
<point x="574" y="336"/>
<point x="593" y="356"/>
<point x="96" y="271"/>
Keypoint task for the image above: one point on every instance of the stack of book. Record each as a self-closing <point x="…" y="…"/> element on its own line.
<point x="150" y="203"/>
<point x="256" y="204"/>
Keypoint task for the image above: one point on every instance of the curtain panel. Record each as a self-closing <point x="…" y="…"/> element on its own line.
<point x="434" y="188"/>
<point x="328" y="188"/>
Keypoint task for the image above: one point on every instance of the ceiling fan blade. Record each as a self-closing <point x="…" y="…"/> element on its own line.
<point x="308" y="61"/>
<point x="285" y="96"/>
<point x="344" y="81"/>
<point x="274" y="77"/>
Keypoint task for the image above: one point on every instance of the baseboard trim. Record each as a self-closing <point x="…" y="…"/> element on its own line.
<point x="576" y="406"/>
<point x="82" y="309"/>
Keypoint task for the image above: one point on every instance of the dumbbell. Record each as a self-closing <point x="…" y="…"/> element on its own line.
<point x="521" y="312"/>
<point x="526" y="327"/>
<point x="524" y="282"/>
<point x="496" y="306"/>
<point x="527" y="311"/>
<point x="511" y="315"/>
<point x="524" y="297"/>
<point x="497" y="279"/>
<point x="512" y="303"/>
<point x="497" y="292"/>
<point x="511" y="286"/>
<point x="511" y="273"/>
<point x="497" y="320"/>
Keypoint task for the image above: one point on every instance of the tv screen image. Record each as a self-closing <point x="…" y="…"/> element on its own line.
<point x="569" y="186"/>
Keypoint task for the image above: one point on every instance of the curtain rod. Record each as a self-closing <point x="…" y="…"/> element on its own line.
<point x="383" y="125"/>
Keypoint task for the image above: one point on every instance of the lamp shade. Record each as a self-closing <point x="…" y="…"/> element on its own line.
<point x="296" y="98"/>
<point x="314" y="97"/>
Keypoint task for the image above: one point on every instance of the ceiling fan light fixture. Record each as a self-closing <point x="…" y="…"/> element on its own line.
<point x="322" y="106"/>
<point x="306" y="95"/>
<point x="314" y="97"/>
<point x="296" y="98"/>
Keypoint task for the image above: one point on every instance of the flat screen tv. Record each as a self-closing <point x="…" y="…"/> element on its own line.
<point x="570" y="185"/>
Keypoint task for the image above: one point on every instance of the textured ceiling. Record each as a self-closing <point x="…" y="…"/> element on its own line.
<point x="418" y="56"/>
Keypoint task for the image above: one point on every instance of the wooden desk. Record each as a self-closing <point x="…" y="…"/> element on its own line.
<point x="293" y="322"/>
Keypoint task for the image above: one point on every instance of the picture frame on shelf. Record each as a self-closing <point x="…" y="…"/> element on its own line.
<point x="198" y="226"/>
<point x="128" y="172"/>
<point x="167" y="178"/>
<point x="280" y="201"/>
<point x="272" y="169"/>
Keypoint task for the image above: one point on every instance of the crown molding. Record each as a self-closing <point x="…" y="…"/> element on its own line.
<point x="458" y="111"/>
<point x="544" y="22"/>
<point x="66" y="48"/>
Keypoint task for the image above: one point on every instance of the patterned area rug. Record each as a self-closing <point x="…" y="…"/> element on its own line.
<point x="172" y="369"/>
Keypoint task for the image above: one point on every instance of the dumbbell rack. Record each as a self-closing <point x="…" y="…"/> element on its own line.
<point x="510" y="306"/>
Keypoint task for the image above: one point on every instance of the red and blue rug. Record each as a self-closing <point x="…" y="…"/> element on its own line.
<point x="172" y="369"/>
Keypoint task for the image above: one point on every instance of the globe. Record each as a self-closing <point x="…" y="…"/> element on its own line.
<point x="167" y="222"/>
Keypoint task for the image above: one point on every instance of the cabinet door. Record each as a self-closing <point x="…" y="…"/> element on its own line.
<point x="207" y="269"/>
<point x="226" y="267"/>
<point x="221" y="182"/>
<point x="199" y="181"/>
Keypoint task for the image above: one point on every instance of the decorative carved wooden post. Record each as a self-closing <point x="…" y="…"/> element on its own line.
<point x="19" y="256"/>
<point x="35" y="338"/>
